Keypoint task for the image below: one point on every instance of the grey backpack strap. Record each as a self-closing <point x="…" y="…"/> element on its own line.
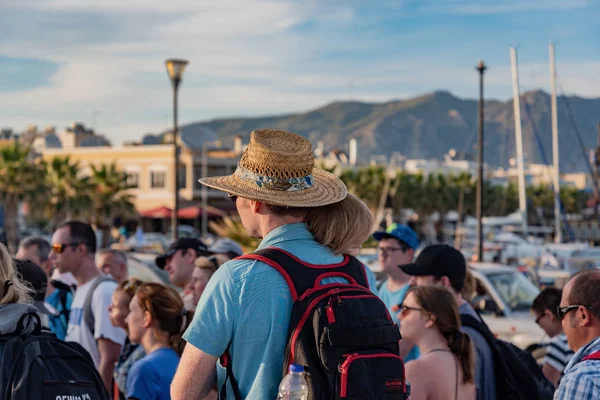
<point x="88" y="313"/>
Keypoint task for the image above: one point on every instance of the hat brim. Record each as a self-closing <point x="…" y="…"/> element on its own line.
<point x="327" y="189"/>
<point x="383" y="235"/>
<point x="414" y="269"/>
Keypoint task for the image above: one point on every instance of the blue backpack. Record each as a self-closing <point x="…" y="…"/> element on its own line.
<point x="61" y="300"/>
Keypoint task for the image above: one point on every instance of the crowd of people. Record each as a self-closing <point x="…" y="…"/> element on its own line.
<point x="150" y="340"/>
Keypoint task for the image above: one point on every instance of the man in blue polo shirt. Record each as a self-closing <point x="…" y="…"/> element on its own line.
<point x="246" y="306"/>
<point x="397" y="245"/>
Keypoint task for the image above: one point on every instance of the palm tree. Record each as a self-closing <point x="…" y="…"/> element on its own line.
<point x="109" y="196"/>
<point x="68" y="192"/>
<point x="20" y="181"/>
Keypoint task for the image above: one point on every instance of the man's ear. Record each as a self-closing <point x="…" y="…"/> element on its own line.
<point x="255" y="206"/>
<point x="586" y="316"/>
<point x="445" y="281"/>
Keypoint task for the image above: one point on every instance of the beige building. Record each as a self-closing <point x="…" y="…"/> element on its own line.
<point x="149" y="171"/>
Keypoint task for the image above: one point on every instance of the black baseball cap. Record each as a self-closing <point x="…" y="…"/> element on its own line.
<point x="33" y="276"/>
<point x="438" y="260"/>
<point x="182" y="244"/>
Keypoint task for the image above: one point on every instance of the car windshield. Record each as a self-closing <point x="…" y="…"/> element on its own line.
<point x="516" y="290"/>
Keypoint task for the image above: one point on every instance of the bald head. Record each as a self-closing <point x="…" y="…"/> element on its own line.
<point x="581" y="322"/>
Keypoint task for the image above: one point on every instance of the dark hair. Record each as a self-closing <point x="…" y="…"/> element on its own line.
<point x="548" y="299"/>
<point x="586" y="291"/>
<point x="285" y="211"/>
<point x="41" y="244"/>
<point x="167" y="311"/>
<point x="81" y="233"/>
<point x="456" y="284"/>
<point x="441" y="303"/>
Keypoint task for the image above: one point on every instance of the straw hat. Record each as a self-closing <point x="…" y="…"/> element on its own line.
<point x="278" y="168"/>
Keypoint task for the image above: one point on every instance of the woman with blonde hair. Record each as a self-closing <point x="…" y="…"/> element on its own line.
<point x="445" y="370"/>
<point x="14" y="299"/>
<point x="342" y="226"/>
<point x="156" y="320"/>
<point x="205" y="268"/>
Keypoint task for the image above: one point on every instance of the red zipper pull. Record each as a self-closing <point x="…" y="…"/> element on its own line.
<point x="330" y="314"/>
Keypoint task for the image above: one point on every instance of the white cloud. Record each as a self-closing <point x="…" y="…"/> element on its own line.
<point x="247" y="57"/>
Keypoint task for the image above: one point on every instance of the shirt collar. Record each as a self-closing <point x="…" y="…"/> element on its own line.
<point x="586" y="350"/>
<point x="285" y="233"/>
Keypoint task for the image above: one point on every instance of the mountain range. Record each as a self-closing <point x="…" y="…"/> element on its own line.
<point x="428" y="126"/>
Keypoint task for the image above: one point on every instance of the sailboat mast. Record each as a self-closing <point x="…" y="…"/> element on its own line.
<point x="557" y="229"/>
<point x="519" y="140"/>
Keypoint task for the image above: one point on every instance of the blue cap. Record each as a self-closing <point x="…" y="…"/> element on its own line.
<point x="400" y="232"/>
<point x="296" y="368"/>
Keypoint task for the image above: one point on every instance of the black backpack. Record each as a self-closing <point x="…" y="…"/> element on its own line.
<point x="341" y="333"/>
<point x="518" y="376"/>
<point x="40" y="366"/>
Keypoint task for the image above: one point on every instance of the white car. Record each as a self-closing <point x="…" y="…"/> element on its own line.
<point x="503" y="297"/>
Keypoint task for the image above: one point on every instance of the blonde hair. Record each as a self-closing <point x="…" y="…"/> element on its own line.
<point x="15" y="291"/>
<point x="211" y="263"/>
<point x="341" y="226"/>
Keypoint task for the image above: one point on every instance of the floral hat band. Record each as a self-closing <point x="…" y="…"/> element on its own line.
<point x="274" y="183"/>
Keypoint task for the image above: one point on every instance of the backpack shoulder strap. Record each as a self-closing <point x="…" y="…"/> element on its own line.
<point x="472" y="322"/>
<point x="302" y="276"/>
<point x="593" y="356"/>
<point x="88" y="313"/>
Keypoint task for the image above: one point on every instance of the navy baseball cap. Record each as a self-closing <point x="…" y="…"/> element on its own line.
<point x="438" y="260"/>
<point x="182" y="244"/>
<point x="399" y="232"/>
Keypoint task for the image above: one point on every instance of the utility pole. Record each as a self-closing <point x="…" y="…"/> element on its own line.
<point x="481" y="68"/>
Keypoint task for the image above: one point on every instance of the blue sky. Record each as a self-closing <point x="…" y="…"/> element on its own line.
<point x="64" y="60"/>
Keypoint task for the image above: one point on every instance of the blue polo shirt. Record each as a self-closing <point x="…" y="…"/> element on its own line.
<point x="248" y="303"/>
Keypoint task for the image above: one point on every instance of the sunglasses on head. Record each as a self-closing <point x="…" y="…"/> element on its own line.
<point x="61" y="247"/>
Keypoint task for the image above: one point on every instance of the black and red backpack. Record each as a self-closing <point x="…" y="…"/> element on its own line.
<point x="341" y="333"/>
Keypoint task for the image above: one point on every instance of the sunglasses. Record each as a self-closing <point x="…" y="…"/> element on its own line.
<point x="562" y="311"/>
<point x="132" y="286"/>
<point x="403" y="309"/>
<point x="538" y="319"/>
<point x="233" y="198"/>
<point x="59" y="248"/>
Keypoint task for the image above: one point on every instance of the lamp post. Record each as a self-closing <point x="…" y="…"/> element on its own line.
<point x="479" y="205"/>
<point x="175" y="68"/>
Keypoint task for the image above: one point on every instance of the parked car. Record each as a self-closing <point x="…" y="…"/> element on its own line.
<point x="185" y="231"/>
<point x="503" y="296"/>
<point x="141" y="266"/>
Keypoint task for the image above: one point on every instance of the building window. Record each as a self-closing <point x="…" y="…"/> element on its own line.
<point x="157" y="179"/>
<point x="182" y="177"/>
<point x="133" y="180"/>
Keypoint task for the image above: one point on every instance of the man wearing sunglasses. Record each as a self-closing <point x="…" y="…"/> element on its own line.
<point x="73" y="250"/>
<point x="579" y="312"/>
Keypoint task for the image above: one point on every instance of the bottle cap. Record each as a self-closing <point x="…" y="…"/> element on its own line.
<point x="296" y="368"/>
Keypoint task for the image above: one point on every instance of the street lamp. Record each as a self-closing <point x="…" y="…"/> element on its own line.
<point x="175" y="68"/>
<point x="479" y="206"/>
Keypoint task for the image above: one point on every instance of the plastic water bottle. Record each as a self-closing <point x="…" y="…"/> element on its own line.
<point x="293" y="386"/>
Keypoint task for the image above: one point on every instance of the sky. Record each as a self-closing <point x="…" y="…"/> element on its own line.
<point x="102" y="62"/>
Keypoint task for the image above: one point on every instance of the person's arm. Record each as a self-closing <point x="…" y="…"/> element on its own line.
<point x="195" y="375"/>
<point x="109" y="354"/>
<point x="415" y="375"/>
<point x="551" y="373"/>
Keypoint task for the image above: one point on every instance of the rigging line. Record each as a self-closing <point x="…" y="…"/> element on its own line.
<point x="580" y="140"/>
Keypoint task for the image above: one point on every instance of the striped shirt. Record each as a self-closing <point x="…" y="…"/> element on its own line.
<point x="582" y="378"/>
<point x="558" y="353"/>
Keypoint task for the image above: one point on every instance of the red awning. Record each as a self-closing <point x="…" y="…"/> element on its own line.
<point x="192" y="212"/>
<point x="158" y="212"/>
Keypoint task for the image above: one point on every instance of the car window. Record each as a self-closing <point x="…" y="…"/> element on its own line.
<point x="516" y="291"/>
